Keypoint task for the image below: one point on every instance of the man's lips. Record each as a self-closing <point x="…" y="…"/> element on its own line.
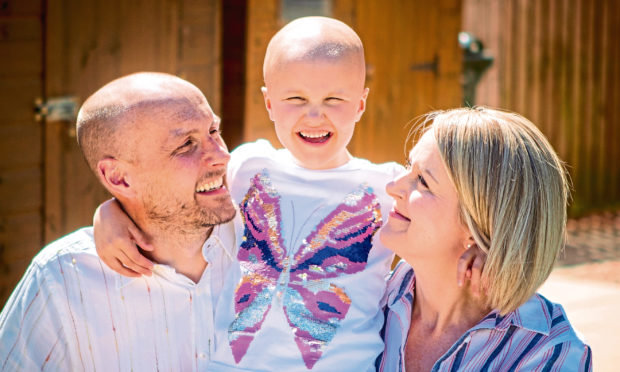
<point x="211" y="186"/>
<point x="394" y="213"/>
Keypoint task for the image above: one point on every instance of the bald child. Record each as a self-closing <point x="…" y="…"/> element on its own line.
<point x="306" y="291"/>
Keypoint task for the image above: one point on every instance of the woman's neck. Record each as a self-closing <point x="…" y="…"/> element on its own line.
<point x="440" y="304"/>
<point x="442" y="313"/>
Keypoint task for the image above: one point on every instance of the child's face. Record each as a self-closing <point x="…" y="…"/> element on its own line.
<point x="315" y="105"/>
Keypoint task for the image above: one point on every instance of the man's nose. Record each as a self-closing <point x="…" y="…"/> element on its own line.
<point x="216" y="153"/>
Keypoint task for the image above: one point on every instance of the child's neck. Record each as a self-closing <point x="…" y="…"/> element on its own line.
<point x="312" y="164"/>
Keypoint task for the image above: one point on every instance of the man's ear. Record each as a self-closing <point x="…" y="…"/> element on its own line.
<point x="113" y="174"/>
<point x="267" y="102"/>
<point x="362" y="106"/>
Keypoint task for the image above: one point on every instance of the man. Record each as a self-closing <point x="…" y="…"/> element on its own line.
<point x="154" y="143"/>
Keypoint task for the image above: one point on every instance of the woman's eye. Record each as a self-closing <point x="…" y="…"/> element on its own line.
<point x="215" y="130"/>
<point x="422" y="181"/>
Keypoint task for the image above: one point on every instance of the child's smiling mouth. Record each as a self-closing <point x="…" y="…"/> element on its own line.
<point x="314" y="136"/>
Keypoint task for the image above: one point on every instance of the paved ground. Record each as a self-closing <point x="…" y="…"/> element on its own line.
<point x="587" y="283"/>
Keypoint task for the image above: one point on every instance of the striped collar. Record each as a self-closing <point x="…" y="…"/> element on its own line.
<point x="534" y="315"/>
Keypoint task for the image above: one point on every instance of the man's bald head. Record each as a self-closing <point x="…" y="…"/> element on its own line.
<point x="313" y="39"/>
<point x="122" y="104"/>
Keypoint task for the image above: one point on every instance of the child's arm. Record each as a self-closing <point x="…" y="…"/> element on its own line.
<point x="470" y="268"/>
<point x="117" y="239"/>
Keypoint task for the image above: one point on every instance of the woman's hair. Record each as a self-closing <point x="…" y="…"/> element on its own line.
<point x="512" y="190"/>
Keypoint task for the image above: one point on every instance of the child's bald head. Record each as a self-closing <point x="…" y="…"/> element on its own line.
<point x="315" y="38"/>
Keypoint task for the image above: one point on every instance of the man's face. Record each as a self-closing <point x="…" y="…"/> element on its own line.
<point x="179" y="165"/>
<point x="315" y="105"/>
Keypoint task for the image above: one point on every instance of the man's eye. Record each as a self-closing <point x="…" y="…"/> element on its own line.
<point x="186" y="147"/>
<point x="215" y="131"/>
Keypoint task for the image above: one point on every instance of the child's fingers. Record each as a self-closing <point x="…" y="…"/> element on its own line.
<point x="130" y="262"/>
<point x="465" y="261"/>
<point x="133" y="254"/>
<point x="117" y="266"/>
<point x="140" y="238"/>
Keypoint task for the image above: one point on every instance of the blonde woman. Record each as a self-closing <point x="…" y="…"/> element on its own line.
<point x="488" y="178"/>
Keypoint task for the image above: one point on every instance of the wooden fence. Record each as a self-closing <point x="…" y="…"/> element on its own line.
<point x="557" y="62"/>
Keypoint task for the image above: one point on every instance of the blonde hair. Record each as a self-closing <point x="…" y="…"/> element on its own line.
<point x="512" y="189"/>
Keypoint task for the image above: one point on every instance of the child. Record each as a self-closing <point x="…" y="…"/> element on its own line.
<point x="308" y="288"/>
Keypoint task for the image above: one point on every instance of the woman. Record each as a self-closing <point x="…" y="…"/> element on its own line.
<point x="487" y="178"/>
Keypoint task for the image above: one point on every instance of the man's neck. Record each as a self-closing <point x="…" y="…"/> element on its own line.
<point x="181" y="250"/>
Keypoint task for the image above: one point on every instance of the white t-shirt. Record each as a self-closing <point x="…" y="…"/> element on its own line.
<point x="308" y="288"/>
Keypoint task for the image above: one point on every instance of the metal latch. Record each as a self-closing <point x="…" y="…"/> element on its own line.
<point x="56" y="109"/>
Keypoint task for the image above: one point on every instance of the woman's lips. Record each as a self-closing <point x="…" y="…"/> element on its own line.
<point x="396" y="214"/>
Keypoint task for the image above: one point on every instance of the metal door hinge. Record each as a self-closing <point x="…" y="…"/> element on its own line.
<point x="56" y="109"/>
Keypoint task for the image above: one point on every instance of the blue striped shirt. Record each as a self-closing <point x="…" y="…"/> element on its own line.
<point x="537" y="336"/>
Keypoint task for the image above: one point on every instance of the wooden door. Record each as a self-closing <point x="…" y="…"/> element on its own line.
<point x="413" y="65"/>
<point x="89" y="43"/>
<point x="21" y="68"/>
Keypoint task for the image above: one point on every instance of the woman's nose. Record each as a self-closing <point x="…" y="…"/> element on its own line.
<point x="394" y="188"/>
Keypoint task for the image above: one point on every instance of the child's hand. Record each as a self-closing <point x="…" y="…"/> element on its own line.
<point x="470" y="268"/>
<point x="116" y="237"/>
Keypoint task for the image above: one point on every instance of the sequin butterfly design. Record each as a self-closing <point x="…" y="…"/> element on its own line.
<point x="313" y="306"/>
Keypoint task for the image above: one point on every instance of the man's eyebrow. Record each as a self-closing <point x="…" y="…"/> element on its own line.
<point x="430" y="174"/>
<point x="182" y="132"/>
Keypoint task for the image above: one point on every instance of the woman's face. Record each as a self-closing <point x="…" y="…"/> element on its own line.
<point x="424" y="222"/>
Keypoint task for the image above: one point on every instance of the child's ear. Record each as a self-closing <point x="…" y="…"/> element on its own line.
<point x="267" y="101"/>
<point x="362" y="106"/>
<point x="113" y="174"/>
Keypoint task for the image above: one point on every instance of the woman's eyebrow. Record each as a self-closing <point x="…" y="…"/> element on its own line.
<point x="430" y="174"/>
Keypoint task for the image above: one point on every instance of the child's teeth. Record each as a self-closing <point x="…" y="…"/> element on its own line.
<point x="315" y="134"/>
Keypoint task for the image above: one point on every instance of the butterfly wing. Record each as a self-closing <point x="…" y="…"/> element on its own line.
<point x="260" y="256"/>
<point x="339" y="245"/>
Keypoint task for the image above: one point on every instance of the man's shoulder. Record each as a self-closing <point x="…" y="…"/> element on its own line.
<point x="79" y="243"/>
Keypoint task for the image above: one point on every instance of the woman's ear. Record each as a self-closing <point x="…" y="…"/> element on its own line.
<point x="114" y="176"/>
<point x="267" y="101"/>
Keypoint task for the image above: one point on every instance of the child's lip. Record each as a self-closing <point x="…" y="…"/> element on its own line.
<point x="314" y="136"/>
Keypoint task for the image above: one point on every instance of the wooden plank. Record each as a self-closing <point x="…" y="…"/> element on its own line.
<point x="20" y="146"/>
<point x="17" y="98"/>
<point x="263" y="22"/>
<point x="20" y="190"/>
<point x="25" y="28"/>
<point x="20" y="236"/>
<point x="11" y="8"/>
<point x="200" y="49"/>
<point x="20" y="58"/>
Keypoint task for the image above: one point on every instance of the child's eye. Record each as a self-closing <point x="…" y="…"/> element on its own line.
<point x="296" y="99"/>
<point x="333" y="99"/>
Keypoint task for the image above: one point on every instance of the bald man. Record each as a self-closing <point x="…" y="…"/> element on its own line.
<point x="153" y="141"/>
